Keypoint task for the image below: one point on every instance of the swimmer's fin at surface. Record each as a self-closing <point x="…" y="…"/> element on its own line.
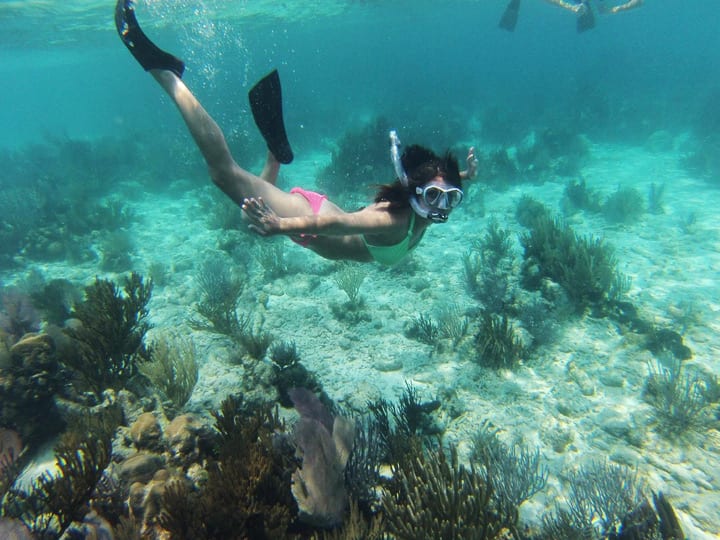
<point x="148" y="55"/>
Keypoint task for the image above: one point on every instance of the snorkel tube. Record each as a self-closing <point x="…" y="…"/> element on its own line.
<point x="420" y="209"/>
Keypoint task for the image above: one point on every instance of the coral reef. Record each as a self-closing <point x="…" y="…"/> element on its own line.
<point x="28" y="387"/>
<point x="247" y="493"/>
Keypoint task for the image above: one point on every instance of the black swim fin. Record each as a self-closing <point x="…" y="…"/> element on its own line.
<point x="585" y="18"/>
<point x="510" y="16"/>
<point x="149" y="55"/>
<point x="266" y="105"/>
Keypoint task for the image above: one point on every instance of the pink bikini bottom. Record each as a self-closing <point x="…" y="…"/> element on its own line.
<point x="315" y="199"/>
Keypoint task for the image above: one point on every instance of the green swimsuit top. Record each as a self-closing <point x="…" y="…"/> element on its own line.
<point x="394" y="254"/>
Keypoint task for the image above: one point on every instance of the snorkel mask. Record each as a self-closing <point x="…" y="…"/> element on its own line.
<point x="432" y="202"/>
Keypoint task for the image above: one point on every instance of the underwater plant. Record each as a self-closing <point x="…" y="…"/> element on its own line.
<point x="488" y="269"/>
<point x="434" y="496"/>
<point x="496" y="343"/>
<point x="349" y="278"/>
<point x="403" y="426"/>
<point x="606" y="501"/>
<point x="110" y="334"/>
<point x="272" y="259"/>
<point x="247" y="493"/>
<point x="625" y="205"/>
<point x="528" y="210"/>
<point x="59" y="499"/>
<point x="656" y="204"/>
<point x="325" y="442"/>
<point x="681" y="401"/>
<point x="18" y="315"/>
<point x="172" y="367"/>
<point x="289" y="372"/>
<point x="517" y="470"/>
<point x="452" y="323"/>
<point x="577" y="196"/>
<point x="424" y="329"/>
<point x="584" y="266"/>
<point x="55" y="300"/>
<point x="221" y="291"/>
<point x="254" y="340"/>
<point x="116" y="248"/>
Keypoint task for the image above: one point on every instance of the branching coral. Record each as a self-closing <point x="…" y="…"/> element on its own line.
<point x="606" y="501"/>
<point x="248" y="488"/>
<point x="173" y="367"/>
<point x="56" y="500"/>
<point x="436" y="497"/>
<point x="517" y="471"/>
<point x="497" y="344"/>
<point x="681" y="401"/>
<point x="584" y="266"/>
<point x="221" y="291"/>
<point x="110" y="334"/>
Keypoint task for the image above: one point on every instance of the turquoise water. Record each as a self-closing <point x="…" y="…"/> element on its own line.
<point x="63" y="70"/>
<point x="98" y="177"/>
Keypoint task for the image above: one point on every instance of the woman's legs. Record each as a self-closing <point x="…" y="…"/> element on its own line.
<point x="236" y="182"/>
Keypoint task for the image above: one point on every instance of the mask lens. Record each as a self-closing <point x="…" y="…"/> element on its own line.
<point x="454" y="197"/>
<point x="433" y="195"/>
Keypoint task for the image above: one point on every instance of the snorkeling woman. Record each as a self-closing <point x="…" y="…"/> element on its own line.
<point x="428" y="187"/>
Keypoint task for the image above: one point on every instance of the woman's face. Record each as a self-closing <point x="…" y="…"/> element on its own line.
<point x="438" y="194"/>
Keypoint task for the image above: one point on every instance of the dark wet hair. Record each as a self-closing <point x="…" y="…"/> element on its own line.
<point x="421" y="166"/>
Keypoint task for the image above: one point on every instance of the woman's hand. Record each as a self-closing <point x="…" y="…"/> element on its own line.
<point x="472" y="165"/>
<point x="263" y="220"/>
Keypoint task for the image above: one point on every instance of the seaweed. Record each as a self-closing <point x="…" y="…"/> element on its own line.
<point x="221" y="291"/>
<point x="55" y="501"/>
<point x="18" y="315"/>
<point x="606" y="501"/>
<point x="288" y="373"/>
<point x="172" y="367"/>
<point x="488" y="267"/>
<point x="625" y="205"/>
<point x="247" y="494"/>
<point x="349" y="277"/>
<point x="110" y="334"/>
<point x="584" y="266"/>
<point x="496" y="343"/>
<point x="273" y="259"/>
<point x="55" y="300"/>
<point x="325" y="442"/>
<point x="577" y="196"/>
<point x="517" y="470"/>
<point x="656" y="193"/>
<point x="424" y="329"/>
<point x="529" y="210"/>
<point x="404" y="426"/>
<point x="681" y="401"/>
<point x="433" y="496"/>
